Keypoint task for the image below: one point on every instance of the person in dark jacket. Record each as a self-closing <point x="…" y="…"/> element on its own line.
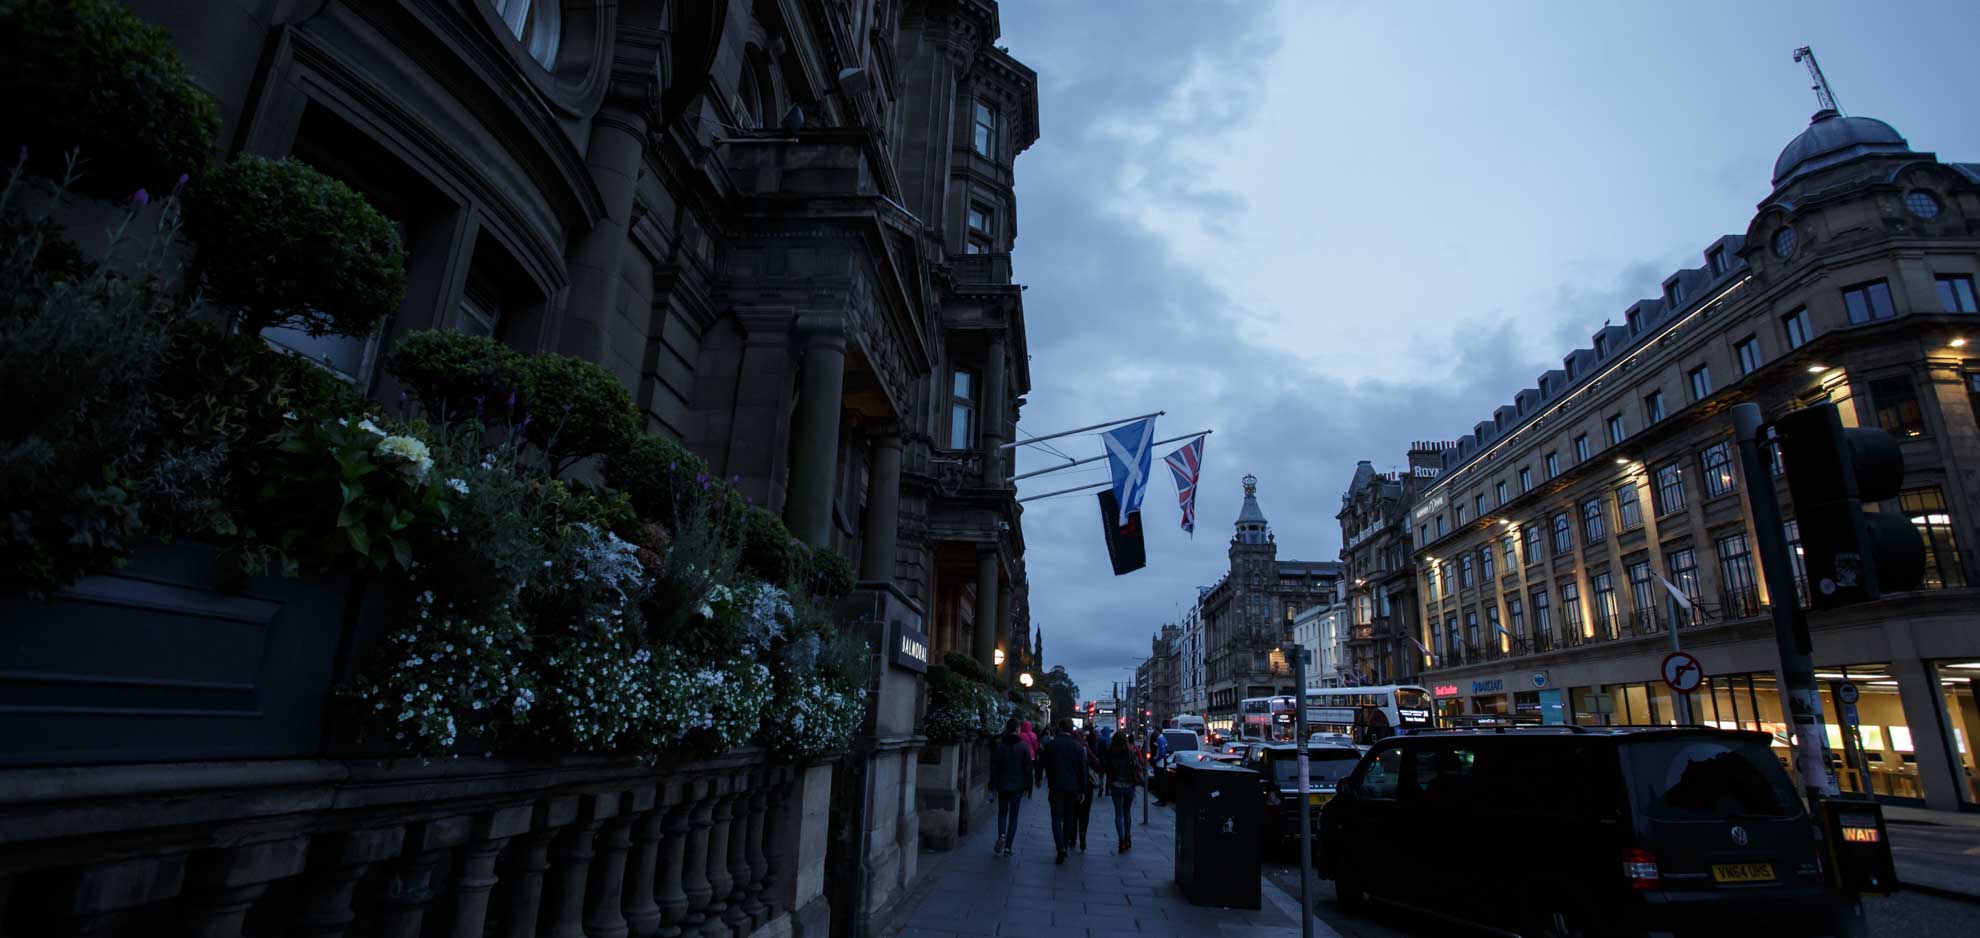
<point x="1010" y="779"/>
<point x="1083" y="807"/>
<point x="1066" y="765"/>
<point x="1123" y="768"/>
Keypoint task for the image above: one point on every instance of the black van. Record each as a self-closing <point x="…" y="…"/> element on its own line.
<point x="1570" y="830"/>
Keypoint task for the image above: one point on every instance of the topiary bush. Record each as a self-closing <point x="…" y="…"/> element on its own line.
<point x="830" y="574"/>
<point x="658" y="475"/>
<point x="769" y="551"/>
<point x="456" y="376"/>
<point x="574" y="409"/>
<point x="282" y="244"/>
<point x="89" y="75"/>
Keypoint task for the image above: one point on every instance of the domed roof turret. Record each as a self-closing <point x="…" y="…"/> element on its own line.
<point x="1832" y="139"/>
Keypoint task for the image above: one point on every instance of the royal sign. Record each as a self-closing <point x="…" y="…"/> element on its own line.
<point x="908" y="648"/>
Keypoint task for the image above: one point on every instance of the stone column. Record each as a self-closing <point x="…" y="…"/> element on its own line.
<point x="759" y="865"/>
<point x="572" y="857"/>
<point x="605" y="890"/>
<point x="529" y="861"/>
<point x="739" y="916"/>
<point x="694" y="868"/>
<point x="776" y="856"/>
<point x="720" y="882"/>
<point x="221" y="885"/>
<point x="673" y="900"/>
<point x="477" y="873"/>
<point x="410" y="887"/>
<point x="986" y="604"/>
<point x="642" y="909"/>
<point x="883" y="509"/>
<point x="338" y="862"/>
<point x="815" y="438"/>
<point x="618" y="140"/>
<point x="992" y="436"/>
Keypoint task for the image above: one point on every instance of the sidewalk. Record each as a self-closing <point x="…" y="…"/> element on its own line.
<point x="1936" y="852"/>
<point x="1098" y="894"/>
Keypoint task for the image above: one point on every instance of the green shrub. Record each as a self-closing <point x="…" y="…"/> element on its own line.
<point x="89" y="75"/>
<point x="831" y="574"/>
<point x="457" y="376"/>
<point x="658" y="475"/>
<point x="285" y="245"/>
<point x="769" y="551"/>
<point x="78" y="355"/>
<point x="574" y="409"/>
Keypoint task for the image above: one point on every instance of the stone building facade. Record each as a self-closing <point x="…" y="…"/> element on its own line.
<point x="1382" y="612"/>
<point x="1193" y="692"/>
<point x="785" y="227"/>
<point x="1248" y="615"/>
<point x="1543" y="545"/>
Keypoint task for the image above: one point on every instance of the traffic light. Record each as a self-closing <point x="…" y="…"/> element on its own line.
<point x="1851" y="555"/>
<point x="1124" y="546"/>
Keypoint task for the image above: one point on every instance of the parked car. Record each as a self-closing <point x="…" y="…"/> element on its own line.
<point x="1278" y="764"/>
<point x="1583" y="831"/>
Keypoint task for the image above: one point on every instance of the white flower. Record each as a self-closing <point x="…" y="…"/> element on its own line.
<point x="458" y="486"/>
<point x="289" y="415"/>
<point x="410" y="451"/>
<point x="366" y="424"/>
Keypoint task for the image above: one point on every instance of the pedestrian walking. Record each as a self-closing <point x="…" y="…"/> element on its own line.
<point x="1010" y="778"/>
<point x="1123" y="769"/>
<point x="1031" y="747"/>
<point x="1066" y="766"/>
<point x="1096" y="782"/>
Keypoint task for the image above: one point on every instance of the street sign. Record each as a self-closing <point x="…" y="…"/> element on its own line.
<point x="1682" y="672"/>
<point x="1846" y="692"/>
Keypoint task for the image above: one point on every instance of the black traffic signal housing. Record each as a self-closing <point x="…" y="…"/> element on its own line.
<point x="1124" y="546"/>
<point x="1851" y="555"/>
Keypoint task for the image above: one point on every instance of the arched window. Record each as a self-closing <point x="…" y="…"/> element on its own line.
<point x="538" y="24"/>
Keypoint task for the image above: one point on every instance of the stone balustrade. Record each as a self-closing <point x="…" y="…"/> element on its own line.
<point x="575" y="848"/>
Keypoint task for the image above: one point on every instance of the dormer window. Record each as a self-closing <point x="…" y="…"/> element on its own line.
<point x="1601" y="346"/>
<point x="1674" y="293"/>
<point x="1567" y="364"/>
<point x="1543" y="385"/>
<point x="1716" y="259"/>
<point x="1634" y="318"/>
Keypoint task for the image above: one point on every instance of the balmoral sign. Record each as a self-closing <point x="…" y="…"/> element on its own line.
<point x="908" y="647"/>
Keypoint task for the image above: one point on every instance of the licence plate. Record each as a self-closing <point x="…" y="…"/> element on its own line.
<point x="1743" y="872"/>
<point x="1318" y="797"/>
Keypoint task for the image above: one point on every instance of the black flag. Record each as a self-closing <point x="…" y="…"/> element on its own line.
<point x="1124" y="545"/>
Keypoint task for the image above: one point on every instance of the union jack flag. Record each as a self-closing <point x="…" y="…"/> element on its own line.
<point x="1185" y="464"/>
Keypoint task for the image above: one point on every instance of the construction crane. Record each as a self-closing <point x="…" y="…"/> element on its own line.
<point x="1823" y="96"/>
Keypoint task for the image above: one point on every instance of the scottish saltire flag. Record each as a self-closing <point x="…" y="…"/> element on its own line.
<point x="1185" y="464"/>
<point x="1128" y="454"/>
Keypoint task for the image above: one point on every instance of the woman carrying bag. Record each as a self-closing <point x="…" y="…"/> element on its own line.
<point x="1123" y="767"/>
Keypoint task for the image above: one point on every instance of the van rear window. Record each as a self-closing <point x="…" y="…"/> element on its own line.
<point x="1710" y="779"/>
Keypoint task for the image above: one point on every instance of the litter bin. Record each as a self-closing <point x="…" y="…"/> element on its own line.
<point x="1219" y="810"/>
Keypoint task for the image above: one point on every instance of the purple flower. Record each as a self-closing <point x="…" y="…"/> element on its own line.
<point x="525" y="423"/>
<point x="180" y="185"/>
<point x="403" y="395"/>
<point x="512" y="400"/>
<point x="704" y="484"/>
<point x="567" y="408"/>
<point x="676" y="464"/>
<point x="140" y="198"/>
<point x="701" y="477"/>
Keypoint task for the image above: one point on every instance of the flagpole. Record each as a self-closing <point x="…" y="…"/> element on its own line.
<point x="1082" y="462"/>
<point x="1076" y="488"/>
<point x="1054" y="436"/>
<point x="1681" y="699"/>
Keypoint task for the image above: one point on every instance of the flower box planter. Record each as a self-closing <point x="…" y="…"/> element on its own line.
<point x="157" y="662"/>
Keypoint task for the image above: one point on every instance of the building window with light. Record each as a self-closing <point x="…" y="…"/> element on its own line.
<point x="1897" y="406"/>
<point x="1718" y="463"/>
<point x="1485" y="563"/>
<point x="987" y="121"/>
<point x="1629" y="508"/>
<point x="1927" y="510"/>
<point x="1742" y="591"/>
<point x="1543" y="621"/>
<point x="1530" y="536"/>
<point x="962" y="410"/>
<point x="1563" y="534"/>
<point x="1571" y="606"/>
<point x="1464" y="572"/>
<point x="1512" y="555"/>
<point x="1683" y="565"/>
<point x="1670" y="488"/>
<point x="1593" y="523"/>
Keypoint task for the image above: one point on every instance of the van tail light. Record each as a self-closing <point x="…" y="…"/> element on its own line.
<point x="1640" y="867"/>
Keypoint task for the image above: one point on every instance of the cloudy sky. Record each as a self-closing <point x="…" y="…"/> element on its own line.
<point x="1325" y="229"/>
